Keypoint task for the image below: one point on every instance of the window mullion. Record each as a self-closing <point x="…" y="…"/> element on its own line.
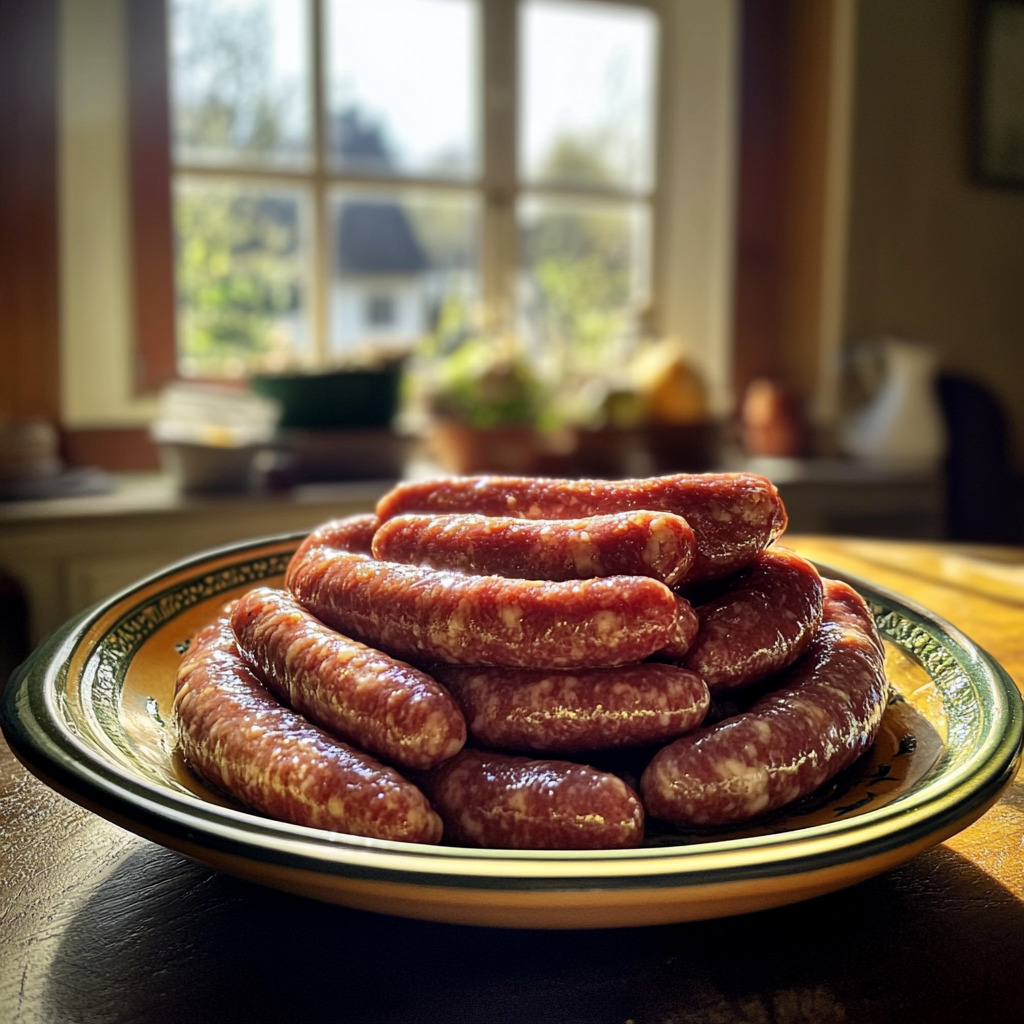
<point x="320" y="261"/>
<point x="499" y="251"/>
<point x="660" y="277"/>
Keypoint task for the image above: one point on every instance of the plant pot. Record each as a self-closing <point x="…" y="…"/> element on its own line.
<point x="684" y="447"/>
<point x="207" y="469"/>
<point x="460" y="449"/>
<point x="610" y="452"/>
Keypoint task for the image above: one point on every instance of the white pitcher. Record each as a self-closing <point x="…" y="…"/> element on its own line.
<point x="902" y="427"/>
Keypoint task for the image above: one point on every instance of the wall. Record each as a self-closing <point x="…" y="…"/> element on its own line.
<point x="29" y="283"/>
<point x="932" y="256"/>
<point x="795" y="131"/>
<point x="97" y="324"/>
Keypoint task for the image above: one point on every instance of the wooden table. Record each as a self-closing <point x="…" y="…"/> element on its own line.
<point x="97" y="925"/>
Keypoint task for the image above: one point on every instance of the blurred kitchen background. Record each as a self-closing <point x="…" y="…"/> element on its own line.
<point x="259" y="258"/>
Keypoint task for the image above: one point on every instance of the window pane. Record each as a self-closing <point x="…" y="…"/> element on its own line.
<point x="585" y="280"/>
<point x="399" y="260"/>
<point x="403" y="92"/>
<point x="587" y="85"/>
<point x="241" y="82"/>
<point x="241" y="278"/>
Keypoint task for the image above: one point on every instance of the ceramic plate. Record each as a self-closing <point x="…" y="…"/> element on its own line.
<point x="90" y="714"/>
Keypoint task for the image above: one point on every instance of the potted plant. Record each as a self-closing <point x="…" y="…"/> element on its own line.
<point x="485" y="403"/>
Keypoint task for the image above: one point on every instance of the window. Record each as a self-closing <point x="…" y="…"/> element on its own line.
<point x="118" y="327"/>
<point x="586" y="173"/>
<point x="347" y="174"/>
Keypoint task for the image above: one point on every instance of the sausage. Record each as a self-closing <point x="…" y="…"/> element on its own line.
<point x="430" y="615"/>
<point x="687" y="625"/>
<point x="642" y="543"/>
<point x="353" y="533"/>
<point x="498" y="801"/>
<point x="383" y="706"/>
<point x="733" y="515"/>
<point x="240" y="739"/>
<point x="761" y="623"/>
<point x="790" y="742"/>
<point x="571" y="711"/>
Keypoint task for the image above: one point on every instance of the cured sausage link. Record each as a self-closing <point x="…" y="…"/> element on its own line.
<point x="733" y="515"/>
<point x="761" y="623"/>
<point x="240" y="739"/>
<point x="429" y="615"/>
<point x="687" y="625"/>
<point x="382" y="705"/>
<point x="790" y="742"/>
<point x="571" y="711"/>
<point x="655" y="544"/>
<point x="498" y="801"/>
<point x="353" y="533"/>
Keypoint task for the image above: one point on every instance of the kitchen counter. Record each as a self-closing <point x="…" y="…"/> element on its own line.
<point x="68" y="553"/>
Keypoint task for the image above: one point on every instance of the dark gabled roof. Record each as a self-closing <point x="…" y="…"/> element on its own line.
<point x="375" y="238"/>
<point x="359" y="143"/>
<point x="372" y="237"/>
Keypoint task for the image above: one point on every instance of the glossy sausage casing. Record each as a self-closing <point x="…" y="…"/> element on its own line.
<point x="761" y="623"/>
<point x="687" y="625"/>
<point x="641" y="543"/>
<point x="429" y="615"/>
<point x="733" y="515"/>
<point x="514" y="803"/>
<point x="573" y="711"/>
<point x="353" y="533"/>
<point x="822" y="718"/>
<point x="240" y="739"/>
<point x="380" y="704"/>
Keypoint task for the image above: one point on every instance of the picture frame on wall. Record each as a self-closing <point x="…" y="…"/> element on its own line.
<point x="997" y="102"/>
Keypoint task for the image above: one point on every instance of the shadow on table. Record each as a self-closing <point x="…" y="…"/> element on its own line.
<point x="163" y="939"/>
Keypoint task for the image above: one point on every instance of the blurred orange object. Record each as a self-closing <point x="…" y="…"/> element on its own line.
<point x="673" y="390"/>
<point x="771" y="423"/>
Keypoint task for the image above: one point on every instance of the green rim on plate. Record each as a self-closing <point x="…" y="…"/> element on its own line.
<point x="68" y="716"/>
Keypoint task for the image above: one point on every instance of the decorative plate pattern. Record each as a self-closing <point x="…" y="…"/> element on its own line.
<point x="90" y="714"/>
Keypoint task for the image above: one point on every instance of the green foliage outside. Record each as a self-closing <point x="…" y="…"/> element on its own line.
<point x="239" y="267"/>
<point x="580" y="312"/>
<point x="579" y="255"/>
<point x="466" y="373"/>
<point x="239" y="274"/>
<point x="225" y="102"/>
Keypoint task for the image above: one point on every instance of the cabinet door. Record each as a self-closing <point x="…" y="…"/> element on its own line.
<point x="90" y="579"/>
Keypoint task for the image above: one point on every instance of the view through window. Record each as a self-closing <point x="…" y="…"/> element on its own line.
<point x="336" y="192"/>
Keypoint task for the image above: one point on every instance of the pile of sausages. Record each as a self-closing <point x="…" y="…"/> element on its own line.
<point x="452" y="663"/>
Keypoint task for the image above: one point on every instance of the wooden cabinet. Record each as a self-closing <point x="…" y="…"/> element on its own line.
<point x="67" y="554"/>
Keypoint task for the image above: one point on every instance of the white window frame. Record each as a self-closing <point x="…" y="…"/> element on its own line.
<point x="693" y="201"/>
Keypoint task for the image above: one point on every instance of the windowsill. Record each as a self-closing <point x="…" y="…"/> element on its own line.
<point x="69" y="553"/>
<point x="157" y="493"/>
<point x="141" y="493"/>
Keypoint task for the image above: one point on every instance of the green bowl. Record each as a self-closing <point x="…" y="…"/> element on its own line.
<point x="346" y="398"/>
<point x="90" y="714"/>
